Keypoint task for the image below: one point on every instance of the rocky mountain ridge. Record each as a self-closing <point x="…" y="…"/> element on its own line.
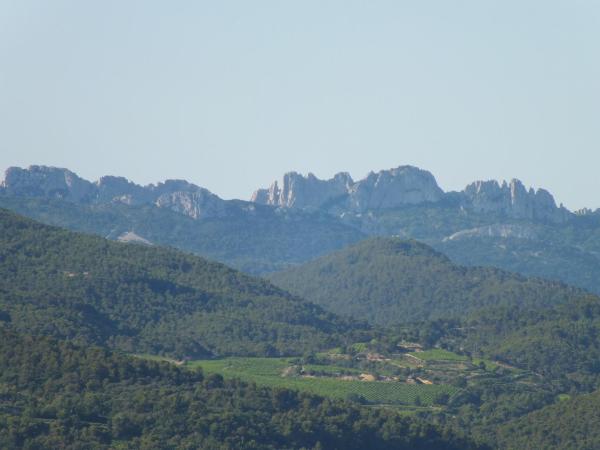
<point x="341" y="195"/>
<point x="408" y="185"/>
<point x="392" y="188"/>
<point x="53" y="182"/>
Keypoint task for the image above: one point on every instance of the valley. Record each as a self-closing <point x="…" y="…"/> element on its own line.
<point x="299" y="225"/>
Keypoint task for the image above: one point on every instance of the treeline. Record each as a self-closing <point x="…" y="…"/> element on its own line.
<point x="58" y="395"/>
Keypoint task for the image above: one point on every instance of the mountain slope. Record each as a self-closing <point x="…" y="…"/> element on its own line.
<point x="58" y="395"/>
<point x="252" y="238"/>
<point x="571" y="424"/>
<point x="147" y="299"/>
<point x="557" y="342"/>
<point x="388" y="281"/>
<point x="569" y="252"/>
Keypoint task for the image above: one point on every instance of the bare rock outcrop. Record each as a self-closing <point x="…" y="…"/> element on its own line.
<point x="513" y="200"/>
<point x="384" y="190"/>
<point x="408" y="185"/>
<point x="297" y="191"/>
<point x="52" y="182"/>
<point x="405" y="185"/>
<point x="504" y="231"/>
<point x="387" y="189"/>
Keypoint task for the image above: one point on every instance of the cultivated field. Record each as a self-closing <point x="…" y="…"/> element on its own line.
<point x="273" y="372"/>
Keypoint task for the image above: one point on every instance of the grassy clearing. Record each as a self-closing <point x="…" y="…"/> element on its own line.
<point x="437" y="354"/>
<point x="268" y="372"/>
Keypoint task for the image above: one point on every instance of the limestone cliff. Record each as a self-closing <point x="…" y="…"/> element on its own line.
<point x="513" y="200"/>
<point x="405" y="185"/>
<point x="53" y="182"/>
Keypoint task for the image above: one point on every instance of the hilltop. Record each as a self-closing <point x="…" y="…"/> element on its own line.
<point x="389" y="281"/>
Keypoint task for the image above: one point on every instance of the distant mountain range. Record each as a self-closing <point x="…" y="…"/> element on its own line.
<point x="407" y="185"/>
<point x="302" y="217"/>
<point x="387" y="189"/>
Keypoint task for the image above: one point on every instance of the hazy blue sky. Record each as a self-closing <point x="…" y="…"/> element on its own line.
<point x="230" y="95"/>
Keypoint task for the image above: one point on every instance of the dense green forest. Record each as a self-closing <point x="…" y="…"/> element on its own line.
<point x="559" y="343"/>
<point x="58" y="395"/>
<point x="388" y="281"/>
<point x="147" y="299"/>
<point x="562" y="342"/>
<point x="569" y="424"/>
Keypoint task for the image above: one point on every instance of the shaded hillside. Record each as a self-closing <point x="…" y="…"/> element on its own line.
<point x="58" y="395"/>
<point x="570" y="424"/>
<point x="252" y="238"/>
<point x="558" y="261"/>
<point x="389" y="281"/>
<point x="147" y="299"/>
<point x="569" y="252"/>
<point x="561" y="342"/>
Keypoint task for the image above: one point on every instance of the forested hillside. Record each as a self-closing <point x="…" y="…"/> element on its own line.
<point x="389" y="281"/>
<point x="58" y="395"/>
<point x="570" y="424"/>
<point x="148" y="299"/>
<point x="561" y="342"/>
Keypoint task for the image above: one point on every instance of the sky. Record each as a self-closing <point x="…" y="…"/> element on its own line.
<point x="232" y="94"/>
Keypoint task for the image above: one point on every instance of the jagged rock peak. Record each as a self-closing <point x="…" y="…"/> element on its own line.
<point x="404" y="185"/>
<point x="120" y="189"/>
<point x="298" y="191"/>
<point x="513" y="200"/>
<point x="52" y="182"/>
<point x="43" y="181"/>
<point x="386" y="189"/>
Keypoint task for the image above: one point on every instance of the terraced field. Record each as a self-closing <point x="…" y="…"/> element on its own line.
<point x="438" y="354"/>
<point x="270" y="372"/>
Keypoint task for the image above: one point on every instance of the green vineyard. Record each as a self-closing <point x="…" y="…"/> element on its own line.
<point x="269" y="372"/>
<point x="438" y="354"/>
